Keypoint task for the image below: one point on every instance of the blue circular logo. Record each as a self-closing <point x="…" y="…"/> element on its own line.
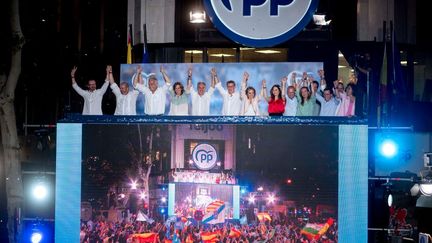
<point x="260" y="23"/>
<point x="204" y="156"/>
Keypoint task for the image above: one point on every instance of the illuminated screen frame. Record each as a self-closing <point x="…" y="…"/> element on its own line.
<point x="352" y="182"/>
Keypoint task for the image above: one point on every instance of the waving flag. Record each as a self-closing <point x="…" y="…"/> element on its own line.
<point x="234" y="233"/>
<point x="315" y="231"/>
<point x="214" y="213"/>
<point x="210" y="236"/>
<point x="144" y="237"/>
<point x="263" y="217"/>
<point x="142" y="217"/>
<point x="129" y="46"/>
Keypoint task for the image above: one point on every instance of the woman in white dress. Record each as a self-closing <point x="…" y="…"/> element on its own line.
<point x="249" y="98"/>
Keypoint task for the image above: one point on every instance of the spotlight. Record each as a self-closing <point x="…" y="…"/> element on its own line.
<point x="260" y="188"/>
<point x="36" y="237"/>
<point x="271" y="199"/>
<point x="390" y="200"/>
<point x="388" y="148"/>
<point x="197" y="17"/>
<point x="40" y="191"/>
<point x="134" y="185"/>
<point x="163" y="199"/>
<point x="251" y="199"/>
<point x="242" y="191"/>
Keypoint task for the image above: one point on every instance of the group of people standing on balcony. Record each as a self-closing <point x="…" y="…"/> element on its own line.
<point x="304" y="97"/>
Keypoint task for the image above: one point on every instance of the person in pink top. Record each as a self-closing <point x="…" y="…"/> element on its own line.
<point x="347" y="101"/>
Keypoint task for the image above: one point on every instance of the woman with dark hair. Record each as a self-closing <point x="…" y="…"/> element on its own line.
<point x="307" y="100"/>
<point x="179" y="97"/>
<point x="348" y="99"/>
<point x="249" y="98"/>
<point x="276" y="102"/>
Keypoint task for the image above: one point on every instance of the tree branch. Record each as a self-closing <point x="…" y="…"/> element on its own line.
<point x="18" y="43"/>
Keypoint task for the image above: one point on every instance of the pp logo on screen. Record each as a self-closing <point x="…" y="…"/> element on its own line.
<point x="260" y="23"/>
<point x="204" y="156"/>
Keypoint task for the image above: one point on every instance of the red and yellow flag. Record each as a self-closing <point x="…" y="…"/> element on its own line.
<point x="210" y="236"/>
<point x="129" y="46"/>
<point x="234" y="233"/>
<point x="144" y="237"/>
<point x="263" y="217"/>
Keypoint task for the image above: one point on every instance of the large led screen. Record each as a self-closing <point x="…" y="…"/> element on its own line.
<point x="275" y="182"/>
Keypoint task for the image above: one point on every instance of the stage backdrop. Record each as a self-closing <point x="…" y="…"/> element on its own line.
<point x="271" y="72"/>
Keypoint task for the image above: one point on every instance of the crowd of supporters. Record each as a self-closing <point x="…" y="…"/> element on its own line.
<point x="285" y="229"/>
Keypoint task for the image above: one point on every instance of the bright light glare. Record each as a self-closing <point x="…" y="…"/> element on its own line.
<point x="40" y="191"/>
<point x="134" y="185"/>
<point x="197" y="17"/>
<point x="388" y="148"/>
<point x="271" y="198"/>
<point x="390" y="200"/>
<point x="163" y="199"/>
<point x="36" y="237"/>
<point x="251" y="199"/>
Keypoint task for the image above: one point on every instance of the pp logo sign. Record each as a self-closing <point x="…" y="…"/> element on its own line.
<point x="204" y="156"/>
<point x="260" y="23"/>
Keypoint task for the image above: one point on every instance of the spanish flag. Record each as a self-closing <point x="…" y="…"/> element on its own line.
<point x="129" y="46"/>
<point x="209" y="237"/>
<point x="144" y="237"/>
<point x="234" y="233"/>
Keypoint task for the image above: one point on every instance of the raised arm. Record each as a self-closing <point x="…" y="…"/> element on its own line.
<point x="264" y="90"/>
<point x="109" y="76"/>
<point x="138" y="77"/>
<point x="218" y="84"/>
<point x="73" y="71"/>
<point x="164" y="75"/>
<point x="284" y="82"/>
<point x="75" y="85"/>
<point x="104" y="87"/>
<point x="213" y="78"/>
<point x="335" y="89"/>
<point x="244" y="85"/>
<point x="189" y="80"/>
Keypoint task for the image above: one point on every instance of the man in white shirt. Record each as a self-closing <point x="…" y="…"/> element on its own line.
<point x="231" y="98"/>
<point x="201" y="99"/>
<point x="155" y="97"/>
<point x="329" y="103"/>
<point x="291" y="102"/>
<point x="92" y="97"/>
<point x="125" y="99"/>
